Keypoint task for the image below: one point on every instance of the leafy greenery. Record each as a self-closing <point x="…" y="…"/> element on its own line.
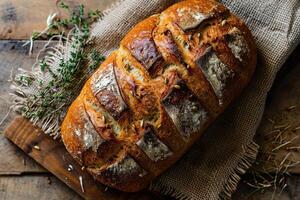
<point x="24" y="80"/>
<point x="61" y="26"/>
<point x="64" y="6"/>
<point x="56" y="94"/>
<point x="96" y="59"/>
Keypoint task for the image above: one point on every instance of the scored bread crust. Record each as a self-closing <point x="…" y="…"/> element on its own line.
<point x="144" y="107"/>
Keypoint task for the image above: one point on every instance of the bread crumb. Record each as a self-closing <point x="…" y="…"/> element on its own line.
<point x="37" y="147"/>
<point x="81" y="183"/>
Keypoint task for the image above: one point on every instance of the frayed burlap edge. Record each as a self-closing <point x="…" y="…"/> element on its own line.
<point x="229" y="186"/>
<point x="245" y="162"/>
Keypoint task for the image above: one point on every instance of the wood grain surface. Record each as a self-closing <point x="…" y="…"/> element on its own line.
<point x="14" y="55"/>
<point x="22" y="180"/>
<point x="19" y="18"/>
<point x="12" y="160"/>
<point x="33" y="187"/>
<point x="15" y="162"/>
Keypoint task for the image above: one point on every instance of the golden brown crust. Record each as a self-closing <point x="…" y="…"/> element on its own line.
<point x="173" y="74"/>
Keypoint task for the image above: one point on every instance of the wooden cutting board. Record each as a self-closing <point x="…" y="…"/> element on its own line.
<point x="53" y="156"/>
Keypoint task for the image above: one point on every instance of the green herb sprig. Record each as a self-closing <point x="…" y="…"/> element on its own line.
<point x="61" y="26"/>
<point x="55" y="95"/>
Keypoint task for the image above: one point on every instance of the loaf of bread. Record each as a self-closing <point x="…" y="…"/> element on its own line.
<point x="144" y="107"/>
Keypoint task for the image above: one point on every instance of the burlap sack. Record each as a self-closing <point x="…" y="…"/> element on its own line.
<point x="212" y="168"/>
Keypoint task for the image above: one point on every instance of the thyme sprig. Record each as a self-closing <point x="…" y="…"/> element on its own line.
<point x="58" y="86"/>
<point x="61" y="26"/>
<point x="96" y="59"/>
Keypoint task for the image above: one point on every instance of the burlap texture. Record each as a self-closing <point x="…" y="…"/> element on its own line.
<point x="212" y="168"/>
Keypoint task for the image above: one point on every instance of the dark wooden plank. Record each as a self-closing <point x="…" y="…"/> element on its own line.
<point x="294" y="186"/>
<point x="246" y="192"/>
<point x="34" y="187"/>
<point x="13" y="161"/>
<point x="14" y="55"/>
<point x="45" y="187"/>
<point x="19" y="18"/>
<point x="290" y="192"/>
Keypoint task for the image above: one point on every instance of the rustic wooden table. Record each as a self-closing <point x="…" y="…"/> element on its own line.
<point x="21" y="178"/>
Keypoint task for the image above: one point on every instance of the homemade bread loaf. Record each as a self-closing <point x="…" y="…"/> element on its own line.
<point x="144" y="107"/>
